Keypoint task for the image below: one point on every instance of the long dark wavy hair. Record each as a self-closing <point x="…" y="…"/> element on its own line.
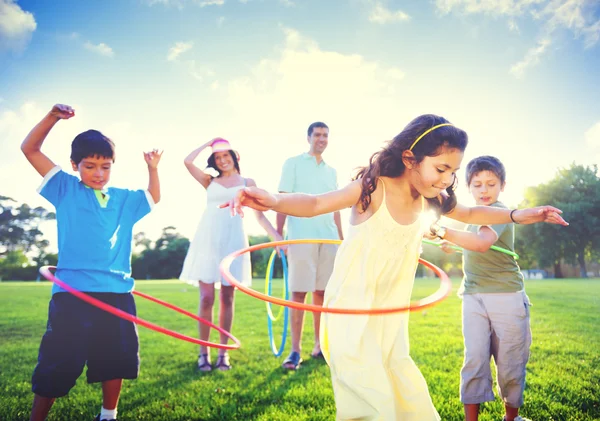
<point x="388" y="162"/>
<point x="211" y="163"/>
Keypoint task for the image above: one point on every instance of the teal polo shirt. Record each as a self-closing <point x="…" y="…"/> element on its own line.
<point x="302" y="174"/>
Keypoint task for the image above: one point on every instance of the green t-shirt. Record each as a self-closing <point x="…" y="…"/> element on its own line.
<point x="492" y="271"/>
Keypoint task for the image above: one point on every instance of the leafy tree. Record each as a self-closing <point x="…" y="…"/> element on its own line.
<point x="575" y="190"/>
<point x="260" y="258"/>
<point x="19" y="227"/>
<point x="164" y="259"/>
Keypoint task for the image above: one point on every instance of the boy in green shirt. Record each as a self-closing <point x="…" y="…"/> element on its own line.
<point x="495" y="311"/>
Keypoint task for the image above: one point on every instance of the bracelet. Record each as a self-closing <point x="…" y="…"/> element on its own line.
<point x="511" y="216"/>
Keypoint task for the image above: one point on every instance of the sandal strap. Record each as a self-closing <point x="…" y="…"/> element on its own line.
<point x="223" y="361"/>
<point x="293" y="358"/>
<point x="203" y="361"/>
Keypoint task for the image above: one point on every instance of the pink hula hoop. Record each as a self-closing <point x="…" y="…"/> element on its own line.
<point x="45" y="271"/>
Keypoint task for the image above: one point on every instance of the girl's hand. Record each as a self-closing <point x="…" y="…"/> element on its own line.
<point x="62" y="112"/>
<point x="152" y="158"/>
<point x="252" y="197"/>
<point x="548" y="214"/>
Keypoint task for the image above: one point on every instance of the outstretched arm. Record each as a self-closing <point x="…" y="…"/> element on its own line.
<point x="152" y="158"/>
<point x="32" y="145"/>
<point x="202" y="177"/>
<point x="487" y="215"/>
<point x="296" y="204"/>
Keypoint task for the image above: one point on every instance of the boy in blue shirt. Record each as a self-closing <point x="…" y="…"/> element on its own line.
<point x="94" y="245"/>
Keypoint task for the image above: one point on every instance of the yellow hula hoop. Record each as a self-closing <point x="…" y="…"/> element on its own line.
<point x="268" y="276"/>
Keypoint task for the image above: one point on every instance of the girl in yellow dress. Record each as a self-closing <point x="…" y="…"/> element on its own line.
<point x="373" y="375"/>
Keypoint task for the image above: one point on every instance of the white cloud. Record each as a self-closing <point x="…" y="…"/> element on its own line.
<point x="303" y="71"/>
<point x="489" y="7"/>
<point x="16" y="26"/>
<point x="513" y="26"/>
<point x="178" y="49"/>
<point x="181" y="3"/>
<point x="592" y="136"/>
<point x="577" y="16"/>
<point x="531" y="58"/>
<point x="199" y="72"/>
<point x="220" y="21"/>
<point x="382" y="15"/>
<point x="203" y="3"/>
<point x="300" y="83"/>
<point x="102" y="49"/>
<point x="288" y="3"/>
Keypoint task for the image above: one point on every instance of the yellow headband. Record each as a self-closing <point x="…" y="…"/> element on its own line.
<point x="427" y="131"/>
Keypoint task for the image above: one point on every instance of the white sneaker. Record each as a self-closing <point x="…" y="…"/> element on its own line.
<point x="519" y="418"/>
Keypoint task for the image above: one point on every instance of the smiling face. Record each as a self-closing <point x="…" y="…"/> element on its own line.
<point x="224" y="161"/>
<point x="485" y="186"/>
<point x="318" y="140"/>
<point x="94" y="171"/>
<point x="436" y="173"/>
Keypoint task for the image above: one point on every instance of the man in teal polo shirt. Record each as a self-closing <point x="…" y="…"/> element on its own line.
<point x="310" y="265"/>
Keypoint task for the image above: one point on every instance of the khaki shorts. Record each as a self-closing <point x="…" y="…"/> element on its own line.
<point x="495" y="326"/>
<point x="310" y="266"/>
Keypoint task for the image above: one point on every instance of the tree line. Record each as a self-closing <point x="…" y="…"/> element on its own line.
<point x="575" y="190"/>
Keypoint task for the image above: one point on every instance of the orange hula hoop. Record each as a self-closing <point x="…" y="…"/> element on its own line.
<point x="444" y="290"/>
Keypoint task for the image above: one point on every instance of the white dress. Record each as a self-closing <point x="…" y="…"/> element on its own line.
<point x="373" y="376"/>
<point x="218" y="235"/>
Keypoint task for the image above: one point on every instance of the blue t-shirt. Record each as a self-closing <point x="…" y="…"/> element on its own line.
<point x="94" y="242"/>
<point x="302" y="174"/>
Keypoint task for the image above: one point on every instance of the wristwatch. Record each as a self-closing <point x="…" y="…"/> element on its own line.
<point x="438" y="231"/>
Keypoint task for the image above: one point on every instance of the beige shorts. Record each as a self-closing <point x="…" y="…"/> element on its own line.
<point x="310" y="266"/>
<point x="495" y="326"/>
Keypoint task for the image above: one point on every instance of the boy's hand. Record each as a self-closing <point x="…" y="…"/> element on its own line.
<point x="62" y="112"/>
<point x="152" y="158"/>
<point x="447" y="247"/>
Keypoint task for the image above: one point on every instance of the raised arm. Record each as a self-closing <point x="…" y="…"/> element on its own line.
<point x="296" y="204"/>
<point x="487" y="215"/>
<point x="32" y="145"/>
<point x="202" y="177"/>
<point x="152" y="158"/>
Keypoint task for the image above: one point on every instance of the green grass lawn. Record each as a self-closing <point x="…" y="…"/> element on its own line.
<point x="563" y="379"/>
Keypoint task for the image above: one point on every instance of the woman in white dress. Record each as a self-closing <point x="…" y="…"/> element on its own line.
<point x="218" y="235"/>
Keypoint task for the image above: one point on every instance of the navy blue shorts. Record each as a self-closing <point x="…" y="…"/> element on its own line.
<point x="78" y="333"/>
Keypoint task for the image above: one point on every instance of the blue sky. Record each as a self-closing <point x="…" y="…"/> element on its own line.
<point x="520" y="76"/>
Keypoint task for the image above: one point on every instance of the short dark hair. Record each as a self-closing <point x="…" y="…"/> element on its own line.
<point x="91" y="143"/>
<point x="315" y="125"/>
<point x="486" y="163"/>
